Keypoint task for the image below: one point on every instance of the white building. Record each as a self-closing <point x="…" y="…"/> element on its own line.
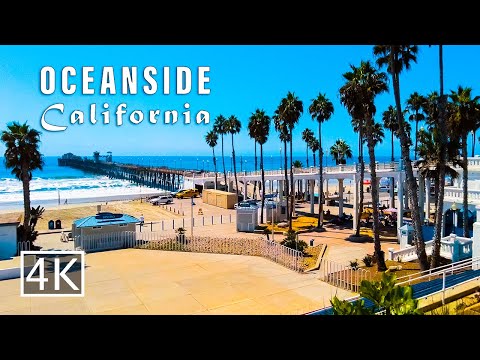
<point x="8" y="236"/>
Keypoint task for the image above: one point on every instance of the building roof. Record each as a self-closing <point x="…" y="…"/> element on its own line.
<point x="10" y="219"/>
<point x="105" y="218"/>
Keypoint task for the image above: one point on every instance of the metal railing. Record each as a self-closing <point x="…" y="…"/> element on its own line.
<point x="173" y="224"/>
<point x="255" y="246"/>
<point x="343" y="276"/>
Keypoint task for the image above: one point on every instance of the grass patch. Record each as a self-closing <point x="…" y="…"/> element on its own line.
<point x="310" y="256"/>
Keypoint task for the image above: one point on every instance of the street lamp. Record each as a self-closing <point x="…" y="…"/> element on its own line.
<point x="197" y="163"/>
<point x="207" y="164"/>
<point x="454" y="209"/>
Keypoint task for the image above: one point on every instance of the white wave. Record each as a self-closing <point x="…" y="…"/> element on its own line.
<point x="11" y="190"/>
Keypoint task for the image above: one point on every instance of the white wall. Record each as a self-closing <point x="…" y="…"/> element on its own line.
<point x="8" y="241"/>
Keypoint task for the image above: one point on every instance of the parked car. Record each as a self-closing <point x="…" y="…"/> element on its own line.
<point x="247" y="203"/>
<point x="163" y="199"/>
<point x="187" y="193"/>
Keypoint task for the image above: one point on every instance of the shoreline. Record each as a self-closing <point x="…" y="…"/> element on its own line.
<point x="80" y="202"/>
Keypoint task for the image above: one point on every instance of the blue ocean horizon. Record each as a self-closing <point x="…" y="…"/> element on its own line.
<point x="56" y="184"/>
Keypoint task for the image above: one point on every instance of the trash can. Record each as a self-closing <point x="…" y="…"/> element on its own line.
<point x="51" y="225"/>
<point x="311" y="242"/>
<point x="58" y="224"/>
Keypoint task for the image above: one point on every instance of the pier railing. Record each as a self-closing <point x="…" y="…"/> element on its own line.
<point x="387" y="166"/>
<point x="254" y="246"/>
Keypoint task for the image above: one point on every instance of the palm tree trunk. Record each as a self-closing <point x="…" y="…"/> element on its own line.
<point x="435" y="258"/>
<point x="362" y="176"/>
<point x="320" y="178"/>
<point x="224" y="171"/>
<point x="215" y="168"/>
<point x="379" y="254"/>
<point x="26" y="204"/>
<point x="285" y="188"/>
<point x="473" y="143"/>
<point x="314" y="160"/>
<point x="465" y="185"/>
<point x="410" y="179"/>
<point x="307" y="155"/>
<point x="292" y="183"/>
<point x="263" y="185"/>
<point x="416" y="134"/>
<point x="393" y="157"/>
<point x="234" y="168"/>
<point x="255" y="182"/>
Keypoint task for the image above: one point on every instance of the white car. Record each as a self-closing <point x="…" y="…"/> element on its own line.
<point x="163" y="199"/>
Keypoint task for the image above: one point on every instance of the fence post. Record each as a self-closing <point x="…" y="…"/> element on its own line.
<point x="203" y="220"/>
<point x="230" y="218"/>
<point x="162" y="225"/>
<point x="221" y="219"/>
<point x="212" y="219"/>
<point x="151" y="225"/>
<point x="183" y="222"/>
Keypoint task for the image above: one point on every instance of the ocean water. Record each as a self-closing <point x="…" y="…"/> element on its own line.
<point x="56" y="184"/>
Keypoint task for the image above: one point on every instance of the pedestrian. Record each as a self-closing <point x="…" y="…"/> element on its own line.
<point x="142" y="219"/>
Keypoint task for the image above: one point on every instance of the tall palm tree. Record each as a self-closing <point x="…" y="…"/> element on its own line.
<point x="233" y="126"/>
<point x="307" y="136"/>
<point x="341" y="151"/>
<point x="212" y="138"/>
<point x="251" y="124"/>
<point x="415" y="104"/>
<point x="22" y="156"/>
<point x="466" y="114"/>
<point x="321" y="110"/>
<point x="284" y="137"/>
<point x="220" y="129"/>
<point x="396" y="58"/>
<point x="291" y="108"/>
<point x="359" y="95"/>
<point x="314" y="146"/>
<point x="348" y="97"/>
<point x="259" y="128"/>
<point x="438" y="119"/>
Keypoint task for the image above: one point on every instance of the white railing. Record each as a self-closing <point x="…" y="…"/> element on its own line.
<point x="456" y="193"/>
<point x="186" y="222"/>
<point x="443" y="272"/>
<point x="255" y="246"/>
<point x="343" y="276"/>
<point x="473" y="161"/>
<point x="451" y="247"/>
<point x="387" y="166"/>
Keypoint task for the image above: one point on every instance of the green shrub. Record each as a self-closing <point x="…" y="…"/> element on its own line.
<point x="368" y="260"/>
<point x="354" y="264"/>
<point x="291" y="242"/>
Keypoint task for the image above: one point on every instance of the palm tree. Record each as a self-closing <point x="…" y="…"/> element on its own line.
<point x="233" y="126"/>
<point x="297" y="164"/>
<point x="251" y="124"/>
<point x="415" y="104"/>
<point x="284" y="136"/>
<point x="390" y="122"/>
<point x="291" y="109"/>
<point x="307" y="136"/>
<point x="321" y="110"/>
<point x="397" y="58"/>
<point x="314" y="146"/>
<point x="340" y="151"/>
<point x="22" y="156"/>
<point x="220" y="129"/>
<point x="363" y="85"/>
<point x="428" y="151"/>
<point x="211" y="138"/>
<point x="465" y="116"/>
<point x="437" y="113"/>
<point x="348" y="97"/>
<point x="259" y="128"/>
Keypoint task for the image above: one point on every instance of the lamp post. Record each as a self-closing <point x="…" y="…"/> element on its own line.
<point x="207" y="164"/>
<point x="197" y="163"/>
<point x="454" y="209"/>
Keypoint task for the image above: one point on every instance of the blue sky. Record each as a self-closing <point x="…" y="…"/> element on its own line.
<point x="242" y="78"/>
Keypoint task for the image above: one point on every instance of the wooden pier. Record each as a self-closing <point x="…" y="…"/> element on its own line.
<point x="153" y="177"/>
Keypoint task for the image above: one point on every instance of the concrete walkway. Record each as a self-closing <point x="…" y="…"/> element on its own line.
<point x="135" y="281"/>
